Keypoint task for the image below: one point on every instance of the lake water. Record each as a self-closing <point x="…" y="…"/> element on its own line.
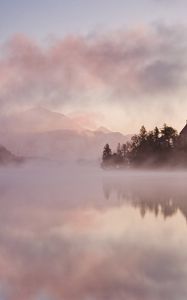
<point x="81" y="233"/>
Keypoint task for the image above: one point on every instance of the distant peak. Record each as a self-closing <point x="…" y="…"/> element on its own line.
<point x="42" y="110"/>
<point x="39" y="109"/>
<point x="103" y="129"/>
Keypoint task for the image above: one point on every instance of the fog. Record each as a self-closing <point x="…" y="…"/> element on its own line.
<point x="75" y="231"/>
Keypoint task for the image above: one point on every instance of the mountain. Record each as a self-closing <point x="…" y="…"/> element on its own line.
<point x="38" y="119"/>
<point x="6" y="157"/>
<point x="103" y="130"/>
<point x="41" y="133"/>
<point x="62" y="144"/>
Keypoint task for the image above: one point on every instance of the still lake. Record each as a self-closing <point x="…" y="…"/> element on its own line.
<point x="80" y="233"/>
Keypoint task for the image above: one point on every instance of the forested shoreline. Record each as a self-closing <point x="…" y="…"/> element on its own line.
<point x="155" y="148"/>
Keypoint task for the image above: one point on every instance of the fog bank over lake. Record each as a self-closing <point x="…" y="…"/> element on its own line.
<point x="76" y="232"/>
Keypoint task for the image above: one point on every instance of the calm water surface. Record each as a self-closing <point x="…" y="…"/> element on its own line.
<point x="78" y="233"/>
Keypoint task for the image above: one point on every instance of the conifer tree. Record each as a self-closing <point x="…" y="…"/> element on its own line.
<point x="107" y="153"/>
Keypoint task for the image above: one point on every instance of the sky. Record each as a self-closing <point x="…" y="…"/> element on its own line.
<point x="123" y="63"/>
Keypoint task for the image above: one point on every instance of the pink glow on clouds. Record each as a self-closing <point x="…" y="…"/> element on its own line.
<point x="117" y="70"/>
<point x="87" y="120"/>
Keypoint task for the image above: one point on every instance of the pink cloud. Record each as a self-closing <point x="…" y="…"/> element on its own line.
<point x="124" y="64"/>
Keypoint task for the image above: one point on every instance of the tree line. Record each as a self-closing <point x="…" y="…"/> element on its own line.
<point x="155" y="148"/>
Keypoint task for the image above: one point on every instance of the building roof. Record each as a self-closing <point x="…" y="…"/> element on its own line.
<point x="184" y="131"/>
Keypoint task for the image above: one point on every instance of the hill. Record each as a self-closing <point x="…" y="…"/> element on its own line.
<point x="41" y="133"/>
<point x="6" y="157"/>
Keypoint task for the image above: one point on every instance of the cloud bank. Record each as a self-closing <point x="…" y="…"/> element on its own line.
<point x="125" y="67"/>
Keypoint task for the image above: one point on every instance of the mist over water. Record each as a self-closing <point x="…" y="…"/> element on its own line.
<point x="76" y="232"/>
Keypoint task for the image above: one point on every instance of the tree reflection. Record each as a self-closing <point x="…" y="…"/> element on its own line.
<point x="163" y="195"/>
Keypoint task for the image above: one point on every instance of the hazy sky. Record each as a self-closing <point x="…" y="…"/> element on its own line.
<point x="123" y="61"/>
<point x="60" y="17"/>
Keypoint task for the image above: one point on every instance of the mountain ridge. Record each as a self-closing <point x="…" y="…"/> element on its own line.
<point x="57" y="142"/>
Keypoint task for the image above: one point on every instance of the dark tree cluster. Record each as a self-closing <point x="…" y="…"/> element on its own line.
<point x="156" y="148"/>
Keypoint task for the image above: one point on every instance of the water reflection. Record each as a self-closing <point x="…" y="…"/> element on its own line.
<point x="160" y="193"/>
<point x="60" y="238"/>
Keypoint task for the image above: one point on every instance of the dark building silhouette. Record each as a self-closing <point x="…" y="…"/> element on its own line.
<point x="183" y="134"/>
<point x="184" y="130"/>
